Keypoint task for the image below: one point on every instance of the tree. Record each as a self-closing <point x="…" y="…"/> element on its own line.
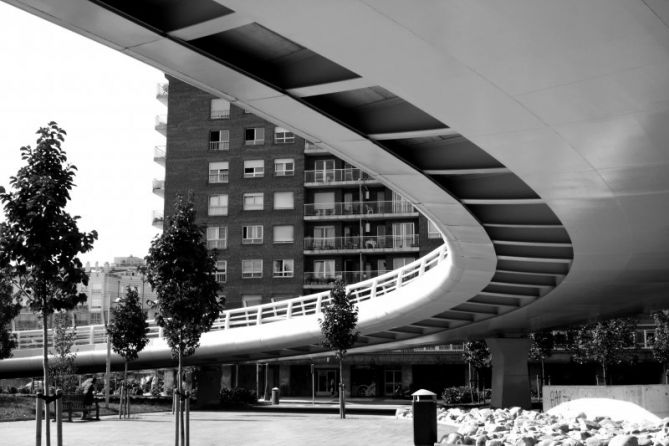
<point x="62" y="369"/>
<point x="128" y="329"/>
<point x="660" y="346"/>
<point x="543" y="343"/>
<point x="9" y="309"/>
<point x="40" y="241"/>
<point x="338" y="333"/>
<point x="605" y="342"/>
<point x="182" y="273"/>
<point x="477" y="355"/>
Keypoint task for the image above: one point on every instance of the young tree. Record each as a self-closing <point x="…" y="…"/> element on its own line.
<point x="660" y="347"/>
<point x="338" y="333"/>
<point x="181" y="271"/>
<point x="543" y="343"/>
<point x="9" y="309"/>
<point x="62" y="369"/>
<point x="40" y="241"/>
<point x="128" y="329"/>
<point x="477" y="355"/>
<point x="604" y="342"/>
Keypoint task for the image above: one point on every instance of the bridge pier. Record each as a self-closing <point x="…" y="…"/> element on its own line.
<point x="510" y="376"/>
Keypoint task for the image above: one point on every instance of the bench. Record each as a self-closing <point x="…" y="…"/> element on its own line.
<point x="75" y="402"/>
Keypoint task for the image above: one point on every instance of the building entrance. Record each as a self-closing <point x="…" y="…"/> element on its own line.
<point x="327" y="382"/>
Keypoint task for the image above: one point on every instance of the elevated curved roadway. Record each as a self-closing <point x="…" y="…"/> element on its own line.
<point x="533" y="133"/>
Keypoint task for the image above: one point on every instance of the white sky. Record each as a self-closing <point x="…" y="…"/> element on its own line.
<point x="106" y="103"/>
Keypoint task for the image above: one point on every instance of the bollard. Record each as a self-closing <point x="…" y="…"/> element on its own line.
<point x="424" y="418"/>
<point x="275" y="395"/>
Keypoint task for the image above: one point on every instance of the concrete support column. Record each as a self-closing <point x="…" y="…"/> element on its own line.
<point x="510" y="378"/>
<point x="209" y="386"/>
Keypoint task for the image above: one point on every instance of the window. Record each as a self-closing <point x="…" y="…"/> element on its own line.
<point x="254" y="136"/>
<point x="252" y="269"/>
<point x="248" y="300"/>
<point x="283" y="268"/>
<point x="96" y="295"/>
<point x="218" y="204"/>
<point x="324" y="170"/>
<point x="432" y="231"/>
<point x="324" y="237"/>
<point x="324" y="269"/>
<point x="218" y="172"/>
<point x="253" y="201"/>
<point x="219" y="140"/>
<point x="399" y="262"/>
<point x="401" y="205"/>
<point x="254" y="168"/>
<point x="217" y="237"/>
<point x="324" y="203"/>
<point x="284" y="167"/>
<point x="392" y="382"/>
<point x="220" y="109"/>
<point x="221" y="274"/>
<point x="252" y="235"/>
<point x="284" y="200"/>
<point x="283" y="136"/>
<point x="404" y="236"/>
<point x="284" y="234"/>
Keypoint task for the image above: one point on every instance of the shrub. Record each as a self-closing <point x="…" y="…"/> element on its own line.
<point x="13" y="390"/>
<point x="237" y="397"/>
<point x="457" y="395"/>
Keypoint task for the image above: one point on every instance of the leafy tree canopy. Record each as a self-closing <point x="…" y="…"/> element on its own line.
<point x="62" y="370"/>
<point x="39" y="240"/>
<point x="477" y="354"/>
<point x="543" y="343"/>
<point x="128" y="327"/>
<point x="340" y="317"/>
<point x="181" y="271"/>
<point x="604" y="342"/>
<point x="9" y="309"/>
<point x="660" y="347"/>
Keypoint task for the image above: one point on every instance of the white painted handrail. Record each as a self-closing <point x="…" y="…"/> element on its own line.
<point x="309" y="305"/>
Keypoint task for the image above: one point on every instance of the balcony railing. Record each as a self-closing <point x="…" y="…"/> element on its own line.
<point x="361" y="243"/>
<point x="220" y="114"/>
<point x="158" y="219"/>
<point x="337" y="176"/>
<point x="161" y="124"/>
<point x="159" y="187"/>
<point x="162" y="90"/>
<point x="221" y="177"/>
<point x="326" y="279"/>
<point x="219" y="145"/>
<point x="159" y="155"/>
<point x="310" y="147"/>
<point x="312" y="304"/>
<point x="358" y="208"/>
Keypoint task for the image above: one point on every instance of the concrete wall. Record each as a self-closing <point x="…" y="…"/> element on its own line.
<point x="654" y="398"/>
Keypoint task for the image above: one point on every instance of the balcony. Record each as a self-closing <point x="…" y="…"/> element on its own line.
<point x="359" y="209"/>
<point x="161" y="124"/>
<point x="345" y="245"/>
<point x="162" y="90"/>
<point x="219" y="145"/>
<point x="159" y="155"/>
<point x="312" y="148"/>
<point x="158" y="219"/>
<point x="323" y="280"/>
<point x="159" y="187"/>
<point x="337" y="177"/>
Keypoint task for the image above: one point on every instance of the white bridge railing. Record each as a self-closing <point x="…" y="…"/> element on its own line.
<point x="270" y="312"/>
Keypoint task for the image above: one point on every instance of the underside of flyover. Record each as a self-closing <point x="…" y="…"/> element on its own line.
<point x="532" y="133"/>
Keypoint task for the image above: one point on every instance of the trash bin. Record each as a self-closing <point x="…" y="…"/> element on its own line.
<point x="275" y="395"/>
<point x="424" y="418"/>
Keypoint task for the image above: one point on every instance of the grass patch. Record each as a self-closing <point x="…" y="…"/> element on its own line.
<point x="22" y="407"/>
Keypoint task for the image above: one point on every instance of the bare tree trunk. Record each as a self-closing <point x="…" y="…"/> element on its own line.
<point x="604" y="372"/>
<point x="45" y="363"/>
<point x="342" y="402"/>
<point x="126" y="405"/>
<point x="180" y="406"/>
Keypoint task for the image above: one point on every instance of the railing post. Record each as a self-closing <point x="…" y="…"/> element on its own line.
<point x="91" y="335"/>
<point x="319" y="303"/>
<point x="372" y="293"/>
<point x="259" y="316"/>
<point x="289" y="310"/>
<point x="226" y="324"/>
<point x="398" y="281"/>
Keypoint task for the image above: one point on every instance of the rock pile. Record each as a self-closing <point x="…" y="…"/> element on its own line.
<point x="517" y="427"/>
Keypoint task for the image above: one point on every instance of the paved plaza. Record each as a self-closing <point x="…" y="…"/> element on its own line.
<point x="227" y="429"/>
